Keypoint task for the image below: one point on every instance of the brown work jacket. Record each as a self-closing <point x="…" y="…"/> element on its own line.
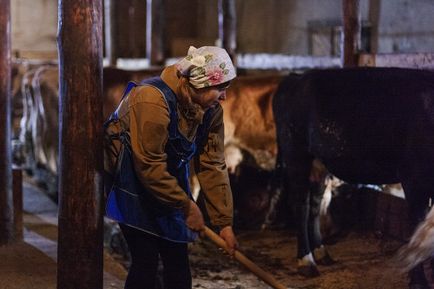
<point x="145" y="115"/>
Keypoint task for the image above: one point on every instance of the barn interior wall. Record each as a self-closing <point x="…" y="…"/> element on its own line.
<point x="406" y="26"/>
<point x="131" y="42"/>
<point x="34" y="26"/>
<point x="282" y="26"/>
<point x="263" y="26"/>
<point x="182" y="26"/>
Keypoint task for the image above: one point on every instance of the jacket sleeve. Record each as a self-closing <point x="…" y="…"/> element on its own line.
<point x="213" y="175"/>
<point x="149" y="119"/>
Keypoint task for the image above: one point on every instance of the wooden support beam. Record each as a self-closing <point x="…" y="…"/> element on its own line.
<point x="6" y="198"/>
<point x="374" y="20"/>
<point x="351" y="32"/>
<point x="80" y="240"/>
<point x="155" y="26"/>
<point x="111" y="37"/>
<point x="227" y="23"/>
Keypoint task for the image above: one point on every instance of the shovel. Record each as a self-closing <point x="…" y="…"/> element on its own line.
<point x="252" y="267"/>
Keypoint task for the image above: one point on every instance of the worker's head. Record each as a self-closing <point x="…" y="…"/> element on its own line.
<point x="205" y="73"/>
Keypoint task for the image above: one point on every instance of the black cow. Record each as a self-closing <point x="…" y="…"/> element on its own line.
<point x="367" y="125"/>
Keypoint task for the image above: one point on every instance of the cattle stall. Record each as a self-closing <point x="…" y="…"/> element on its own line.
<point x="363" y="225"/>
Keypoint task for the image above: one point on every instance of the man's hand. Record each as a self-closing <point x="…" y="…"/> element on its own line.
<point x="228" y="235"/>
<point x="194" y="218"/>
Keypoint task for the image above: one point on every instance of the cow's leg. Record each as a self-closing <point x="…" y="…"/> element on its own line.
<point x="296" y="162"/>
<point x="277" y="214"/>
<point x="418" y="187"/>
<point x="320" y="252"/>
<point x="298" y="174"/>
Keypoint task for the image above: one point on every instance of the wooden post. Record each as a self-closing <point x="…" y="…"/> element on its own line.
<point x="155" y="31"/>
<point x="110" y="32"/>
<point x="17" y="184"/>
<point x="374" y="20"/>
<point x="80" y="242"/>
<point x="227" y="23"/>
<point x="350" y="32"/>
<point x="6" y="198"/>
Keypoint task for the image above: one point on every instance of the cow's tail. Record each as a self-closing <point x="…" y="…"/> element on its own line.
<point x="421" y="245"/>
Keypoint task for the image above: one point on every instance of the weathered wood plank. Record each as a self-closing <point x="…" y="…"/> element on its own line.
<point x="227" y="19"/>
<point x="6" y="199"/>
<point x="351" y="32"/>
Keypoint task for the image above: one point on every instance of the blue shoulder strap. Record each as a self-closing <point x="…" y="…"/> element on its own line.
<point x="158" y="83"/>
<point x="114" y="116"/>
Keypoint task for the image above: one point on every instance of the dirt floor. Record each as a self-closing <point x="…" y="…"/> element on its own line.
<point x="363" y="262"/>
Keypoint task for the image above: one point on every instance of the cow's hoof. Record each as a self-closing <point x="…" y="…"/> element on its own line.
<point x="322" y="257"/>
<point x="306" y="266"/>
<point x="327" y="260"/>
<point x="309" y="271"/>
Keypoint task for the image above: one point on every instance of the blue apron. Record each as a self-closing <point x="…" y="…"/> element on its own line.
<point x="128" y="201"/>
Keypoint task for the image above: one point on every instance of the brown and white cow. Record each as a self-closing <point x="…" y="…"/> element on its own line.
<point x="37" y="103"/>
<point x="249" y="123"/>
<point x="250" y="146"/>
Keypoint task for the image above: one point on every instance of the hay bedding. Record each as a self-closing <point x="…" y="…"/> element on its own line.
<point x="364" y="262"/>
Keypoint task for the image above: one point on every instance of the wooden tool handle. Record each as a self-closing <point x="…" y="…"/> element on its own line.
<point x="252" y="267"/>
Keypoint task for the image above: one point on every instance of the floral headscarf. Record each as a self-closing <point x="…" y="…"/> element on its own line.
<point x="207" y="66"/>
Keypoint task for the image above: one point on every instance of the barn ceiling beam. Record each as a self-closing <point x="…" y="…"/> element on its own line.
<point x="80" y="240"/>
<point x="351" y="32"/>
<point x="6" y="197"/>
